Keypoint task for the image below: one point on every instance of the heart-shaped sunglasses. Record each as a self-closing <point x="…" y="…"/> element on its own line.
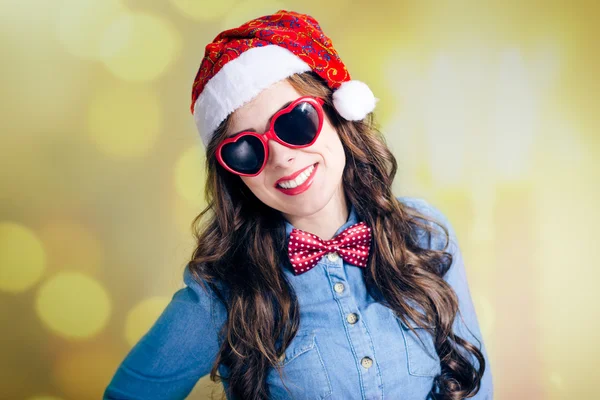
<point x="296" y="126"/>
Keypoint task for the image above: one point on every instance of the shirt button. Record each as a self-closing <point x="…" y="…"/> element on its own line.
<point x="338" y="287"/>
<point x="366" y="362"/>
<point x="352" y="318"/>
<point x="333" y="256"/>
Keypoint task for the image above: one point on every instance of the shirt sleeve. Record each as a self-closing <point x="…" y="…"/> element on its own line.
<point x="175" y="353"/>
<point x="466" y="323"/>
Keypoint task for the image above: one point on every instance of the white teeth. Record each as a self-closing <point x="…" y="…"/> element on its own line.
<point x="300" y="179"/>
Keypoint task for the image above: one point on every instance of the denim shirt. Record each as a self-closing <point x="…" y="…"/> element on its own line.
<point x="348" y="346"/>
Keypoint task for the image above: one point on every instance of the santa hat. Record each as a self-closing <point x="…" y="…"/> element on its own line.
<point x="239" y="63"/>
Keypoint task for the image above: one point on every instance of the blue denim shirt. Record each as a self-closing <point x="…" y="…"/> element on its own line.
<point x="348" y="345"/>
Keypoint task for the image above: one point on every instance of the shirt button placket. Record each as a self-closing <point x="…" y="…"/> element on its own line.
<point x="358" y="335"/>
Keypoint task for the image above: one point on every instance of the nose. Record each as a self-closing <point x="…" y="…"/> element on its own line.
<point x="279" y="155"/>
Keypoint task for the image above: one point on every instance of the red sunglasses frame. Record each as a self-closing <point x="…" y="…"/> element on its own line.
<point x="316" y="102"/>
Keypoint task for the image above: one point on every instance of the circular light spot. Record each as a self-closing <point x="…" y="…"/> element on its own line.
<point x="139" y="47"/>
<point x="203" y="11"/>
<point x="82" y="24"/>
<point x="190" y="176"/>
<point x="73" y="305"/>
<point x="142" y="317"/>
<point x="22" y="258"/>
<point x="124" y="121"/>
<point x="72" y="245"/>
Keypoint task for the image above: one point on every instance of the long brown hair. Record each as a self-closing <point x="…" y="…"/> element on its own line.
<point x="241" y="249"/>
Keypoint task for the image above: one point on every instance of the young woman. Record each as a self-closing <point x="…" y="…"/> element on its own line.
<point x="310" y="280"/>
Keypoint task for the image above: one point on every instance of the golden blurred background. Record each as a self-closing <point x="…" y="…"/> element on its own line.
<point x="490" y="107"/>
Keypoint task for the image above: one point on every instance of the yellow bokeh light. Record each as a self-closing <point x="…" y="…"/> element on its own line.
<point x="72" y="245"/>
<point x="140" y="47"/>
<point x="514" y="121"/>
<point x="124" y="121"/>
<point x="73" y="305"/>
<point x="490" y="110"/>
<point x="82" y="24"/>
<point x="486" y="108"/>
<point x="22" y="258"/>
<point x="444" y="97"/>
<point x="190" y="176"/>
<point x="203" y="11"/>
<point x="250" y="9"/>
<point x="141" y="317"/>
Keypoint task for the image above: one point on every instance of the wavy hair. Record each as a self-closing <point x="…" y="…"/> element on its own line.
<point x="241" y="248"/>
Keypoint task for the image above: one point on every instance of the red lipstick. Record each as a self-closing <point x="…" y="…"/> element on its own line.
<point x="301" y="188"/>
<point x="292" y="176"/>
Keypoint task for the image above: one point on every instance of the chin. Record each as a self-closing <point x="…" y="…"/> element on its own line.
<point x="308" y="207"/>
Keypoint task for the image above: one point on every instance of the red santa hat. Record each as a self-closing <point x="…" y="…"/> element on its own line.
<point x="239" y="63"/>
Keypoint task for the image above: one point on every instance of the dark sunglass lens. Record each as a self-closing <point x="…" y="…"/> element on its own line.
<point x="246" y="155"/>
<point x="299" y="126"/>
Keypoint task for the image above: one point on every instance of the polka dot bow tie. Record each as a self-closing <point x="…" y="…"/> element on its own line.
<point x="352" y="244"/>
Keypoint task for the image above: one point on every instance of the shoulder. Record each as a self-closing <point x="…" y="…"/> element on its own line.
<point x="442" y="229"/>
<point x="178" y="349"/>
<point x="195" y="292"/>
<point x="198" y="292"/>
<point x="467" y="325"/>
<point x="423" y="207"/>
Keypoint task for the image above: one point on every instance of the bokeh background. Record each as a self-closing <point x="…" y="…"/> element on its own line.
<point x="491" y="108"/>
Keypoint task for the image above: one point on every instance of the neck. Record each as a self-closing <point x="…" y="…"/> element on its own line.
<point x="325" y="222"/>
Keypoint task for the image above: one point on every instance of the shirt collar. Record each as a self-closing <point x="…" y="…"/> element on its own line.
<point x="352" y="219"/>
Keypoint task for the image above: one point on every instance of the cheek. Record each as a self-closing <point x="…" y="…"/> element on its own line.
<point x="333" y="150"/>
<point x="249" y="182"/>
<point x="256" y="184"/>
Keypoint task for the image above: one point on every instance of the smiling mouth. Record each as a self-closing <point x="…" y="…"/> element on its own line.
<point x="299" y="180"/>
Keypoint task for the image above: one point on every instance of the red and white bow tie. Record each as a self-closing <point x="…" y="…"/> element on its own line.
<point x="352" y="244"/>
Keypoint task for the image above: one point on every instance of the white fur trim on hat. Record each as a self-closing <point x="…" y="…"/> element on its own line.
<point x="353" y="100"/>
<point x="239" y="81"/>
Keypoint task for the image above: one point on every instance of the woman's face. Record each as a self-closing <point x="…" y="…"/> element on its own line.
<point x="326" y="155"/>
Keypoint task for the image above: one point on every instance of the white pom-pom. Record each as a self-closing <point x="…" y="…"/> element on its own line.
<point x="354" y="100"/>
